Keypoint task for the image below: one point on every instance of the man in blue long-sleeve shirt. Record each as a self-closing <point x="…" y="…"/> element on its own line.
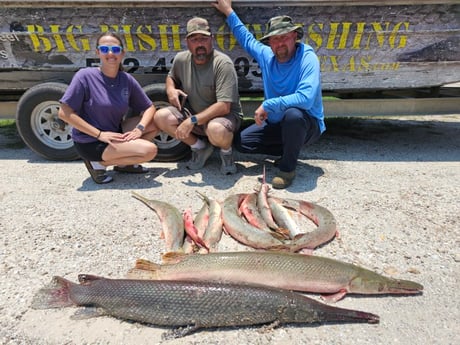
<point x="292" y="113"/>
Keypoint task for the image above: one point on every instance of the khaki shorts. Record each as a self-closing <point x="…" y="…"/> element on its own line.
<point x="231" y="122"/>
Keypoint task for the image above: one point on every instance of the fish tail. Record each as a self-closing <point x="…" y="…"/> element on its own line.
<point x="55" y="295"/>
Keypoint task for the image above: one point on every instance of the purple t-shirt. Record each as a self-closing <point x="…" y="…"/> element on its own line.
<point x="103" y="101"/>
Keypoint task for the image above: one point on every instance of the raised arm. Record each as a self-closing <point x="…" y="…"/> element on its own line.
<point x="223" y="6"/>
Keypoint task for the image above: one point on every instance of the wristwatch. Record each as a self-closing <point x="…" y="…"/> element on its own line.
<point x="140" y="127"/>
<point x="194" y="119"/>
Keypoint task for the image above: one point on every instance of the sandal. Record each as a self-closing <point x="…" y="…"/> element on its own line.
<point x="98" y="175"/>
<point x="131" y="169"/>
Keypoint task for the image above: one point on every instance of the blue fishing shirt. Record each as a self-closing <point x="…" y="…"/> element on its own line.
<point x="296" y="83"/>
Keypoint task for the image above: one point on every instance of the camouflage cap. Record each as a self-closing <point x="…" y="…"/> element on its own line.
<point x="198" y="25"/>
<point x="281" y="25"/>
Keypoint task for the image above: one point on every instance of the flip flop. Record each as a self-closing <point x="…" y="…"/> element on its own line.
<point x="98" y="175"/>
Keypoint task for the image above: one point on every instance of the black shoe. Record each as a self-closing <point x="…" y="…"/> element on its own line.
<point x="283" y="179"/>
<point x="98" y="175"/>
<point x="131" y="169"/>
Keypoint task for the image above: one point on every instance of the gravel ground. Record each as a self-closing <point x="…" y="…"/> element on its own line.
<point x="392" y="184"/>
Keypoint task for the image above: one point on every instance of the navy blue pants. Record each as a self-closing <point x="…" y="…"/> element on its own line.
<point x="284" y="139"/>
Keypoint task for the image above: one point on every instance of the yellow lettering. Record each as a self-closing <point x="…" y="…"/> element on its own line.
<point x="344" y="37"/>
<point x="314" y="36"/>
<point x="358" y="36"/>
<point x="380" y="33"/>
<point x="143" y="37"/>
<point x="365" y="62"/>
<point x="164" y="37"/>
<point x="37" y="38"/>
<point x="57" y="38"/>
<point x="394" y="35"/>
<point x="332" y="36"/>
<point x="85" y="45"/>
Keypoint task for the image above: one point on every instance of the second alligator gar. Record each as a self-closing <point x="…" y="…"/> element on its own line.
<point x="193" y="305"/>
<point x="171" y="221"/>
<point x="291" y="271"/>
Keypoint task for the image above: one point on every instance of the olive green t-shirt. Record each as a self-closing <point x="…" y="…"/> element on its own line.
<point x="215" y="81"/>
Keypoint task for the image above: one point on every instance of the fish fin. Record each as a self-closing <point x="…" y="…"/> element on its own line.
<point x="334" y="297"/>
<point x="283" y="232"/>
<point x="172" y="257"/>
<point x="88" y="313"/>
<point x="55" y="295"/>
<point x="179" y="332"/>
<point x="270" y="327"/>
<point x="143" y="264"/>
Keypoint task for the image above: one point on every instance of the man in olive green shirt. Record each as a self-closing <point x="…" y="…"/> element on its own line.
<point x="206" y="79"/>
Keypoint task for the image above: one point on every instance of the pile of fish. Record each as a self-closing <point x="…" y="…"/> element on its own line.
<point x="254" y="219"/>
<point x="190" y="291"/>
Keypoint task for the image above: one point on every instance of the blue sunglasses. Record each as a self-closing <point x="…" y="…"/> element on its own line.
<point x="106" y="49"/>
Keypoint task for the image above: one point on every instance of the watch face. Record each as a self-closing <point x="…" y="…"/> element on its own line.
<point x="194" y="119"/>
<point x="140" y="127"/>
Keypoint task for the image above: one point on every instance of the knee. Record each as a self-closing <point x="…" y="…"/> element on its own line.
<point x="218" y="135"/>
<point x="151" y="152"/>
<point x="293" y="115"/>
<point x="162" y="117"/>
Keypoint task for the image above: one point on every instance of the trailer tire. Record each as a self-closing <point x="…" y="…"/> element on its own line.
<point x="169" y="148"/>
<point x="38" y="123"/>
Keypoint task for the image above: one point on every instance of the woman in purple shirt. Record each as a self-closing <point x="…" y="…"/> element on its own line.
<point x="96" y="103"/>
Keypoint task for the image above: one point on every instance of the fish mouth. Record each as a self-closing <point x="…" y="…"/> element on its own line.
<point x="404" y="287"/>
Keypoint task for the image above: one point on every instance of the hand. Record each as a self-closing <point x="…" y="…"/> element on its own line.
<point x="110" y="137"/>
<point x="136" y="133"/>
<point x="223" y="6"/>
<point x="175" y="96"/>
<point x="184" y="129"/>
<point x="260" y="115"/>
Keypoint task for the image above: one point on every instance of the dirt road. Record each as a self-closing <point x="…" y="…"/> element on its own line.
<point x="393" y="186"/>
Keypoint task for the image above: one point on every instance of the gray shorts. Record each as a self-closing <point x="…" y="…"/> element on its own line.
<point x="232" y="122"/>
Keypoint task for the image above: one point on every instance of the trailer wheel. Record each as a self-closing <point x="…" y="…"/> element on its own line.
<point x="38" y="123"/>
<point x="169" y="148"/>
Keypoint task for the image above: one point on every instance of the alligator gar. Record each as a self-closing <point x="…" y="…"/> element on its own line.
<point x="246" y="233"/>
<point x="213" y="230"/>
<point x="262" y="204"/>
<point x="191" y="230"/>
<point x="194" y="305"/>
<point x="171" y="220"/>
<point x="306" y="273"/>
